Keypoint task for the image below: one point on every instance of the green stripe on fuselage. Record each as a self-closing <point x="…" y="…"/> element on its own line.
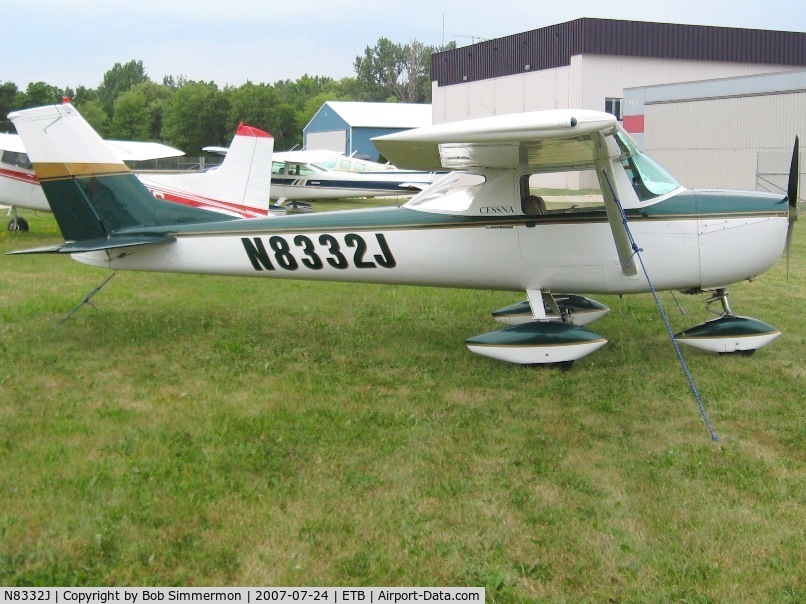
<point x="687" y="205"/>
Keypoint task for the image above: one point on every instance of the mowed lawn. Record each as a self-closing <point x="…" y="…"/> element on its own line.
<point x="210" y="431"/>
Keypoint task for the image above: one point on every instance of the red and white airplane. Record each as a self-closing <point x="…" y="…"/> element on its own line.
<point x="239" y="187"/>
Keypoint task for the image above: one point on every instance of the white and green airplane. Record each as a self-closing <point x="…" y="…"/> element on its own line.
<point x="477" y="227"/>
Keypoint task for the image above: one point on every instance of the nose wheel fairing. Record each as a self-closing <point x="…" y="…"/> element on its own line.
<point x="729" y="332"/>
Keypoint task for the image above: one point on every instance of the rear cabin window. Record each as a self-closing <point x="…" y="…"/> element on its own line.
<point x="454" y="192"/>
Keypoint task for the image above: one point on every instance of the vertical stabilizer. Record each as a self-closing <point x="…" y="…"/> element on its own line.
<point x="240" y="185"/>
<point x="92" y="193"/>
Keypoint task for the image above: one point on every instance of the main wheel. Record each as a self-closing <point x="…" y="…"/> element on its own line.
<point x="18" y="224"/>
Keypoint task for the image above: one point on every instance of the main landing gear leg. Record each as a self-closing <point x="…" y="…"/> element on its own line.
<point x="17" y="224"/>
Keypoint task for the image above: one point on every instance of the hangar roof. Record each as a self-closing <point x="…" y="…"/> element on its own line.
<point x="553" y="46"/>
<point x="380" y="115"/>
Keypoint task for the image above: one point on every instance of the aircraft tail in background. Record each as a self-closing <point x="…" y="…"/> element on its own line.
<point x="240" y="186"/>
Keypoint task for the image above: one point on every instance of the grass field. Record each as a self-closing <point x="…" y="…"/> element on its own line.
<point x="211" y="431"/>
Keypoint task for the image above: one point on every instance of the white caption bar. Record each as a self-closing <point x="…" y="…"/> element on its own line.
<point x="250" y="595"/>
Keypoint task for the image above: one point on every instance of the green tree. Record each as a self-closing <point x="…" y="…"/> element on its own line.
<point x="173" y="83"/>
<point x="196" y="116"/>
<point x="253" y="104"/>
<point x="298" y="92"/>
<point x="39" y="93"/>
<point x="156" y="96"/>
<point x="379" y="69"/>
<point x="118" y="80"/>
<point x="399" y="72"/>
<point x="9" y="99"/>
<point x="94" y="113"/>
<point x="132" y="119"/>
<point x="262" y="106"/>
<point x="83" y="94"/>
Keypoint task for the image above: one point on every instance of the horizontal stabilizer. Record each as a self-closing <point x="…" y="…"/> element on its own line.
<point x="97" y="245"/>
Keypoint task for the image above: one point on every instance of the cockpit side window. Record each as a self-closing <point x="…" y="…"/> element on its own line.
<point x="563" y="192"/>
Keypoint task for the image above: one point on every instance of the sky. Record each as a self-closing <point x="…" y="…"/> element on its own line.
<point x="73" y="44"/>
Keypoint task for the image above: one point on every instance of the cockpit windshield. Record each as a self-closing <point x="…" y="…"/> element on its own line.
<point x="648" y="178"/>
<point x="454" y="192"/>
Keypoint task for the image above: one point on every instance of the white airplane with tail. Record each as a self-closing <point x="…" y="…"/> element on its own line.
<point x="240" y="186"/>
<point x="477" y="227"/>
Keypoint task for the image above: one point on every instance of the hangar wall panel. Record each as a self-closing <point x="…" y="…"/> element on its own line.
<point x="585" y="83"/>
<point x="512" y="94"/>
<point x="726" y="142"/>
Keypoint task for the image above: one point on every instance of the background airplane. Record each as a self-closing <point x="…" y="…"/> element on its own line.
<point x="295" y="177"/>
<point x="19" y="187"/>
<point x="477" y="227"/>
<point x="240" y="186"/>
<point x="322" y="174"/>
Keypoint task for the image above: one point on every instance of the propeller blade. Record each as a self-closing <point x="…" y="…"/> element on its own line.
<point x="792" y="195"/>
<point x="792" y="187"/>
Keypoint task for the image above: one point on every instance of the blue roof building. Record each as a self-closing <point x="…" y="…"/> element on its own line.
<point x="347" y="127"/>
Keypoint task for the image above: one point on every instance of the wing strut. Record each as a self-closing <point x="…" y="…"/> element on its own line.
<point x="625" y="247"/>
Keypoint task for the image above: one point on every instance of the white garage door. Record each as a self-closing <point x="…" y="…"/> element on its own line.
<point x="332" y="140"/>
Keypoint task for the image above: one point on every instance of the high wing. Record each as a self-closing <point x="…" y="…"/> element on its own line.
<point x="124" y="150"/>
<point x="11" y="142"/>
<point x="142" y="151"/>
<point x="542" y="140"/>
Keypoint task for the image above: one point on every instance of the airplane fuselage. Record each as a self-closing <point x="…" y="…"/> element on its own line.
<point x="728" y="239"/>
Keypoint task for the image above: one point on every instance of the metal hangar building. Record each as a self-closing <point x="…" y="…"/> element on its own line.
<point x="347" y="127"/>
<point x="589" y="63"/>
<point x="730" y="132"/>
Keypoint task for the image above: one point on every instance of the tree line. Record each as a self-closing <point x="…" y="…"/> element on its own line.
<point x="189" y="114"/>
